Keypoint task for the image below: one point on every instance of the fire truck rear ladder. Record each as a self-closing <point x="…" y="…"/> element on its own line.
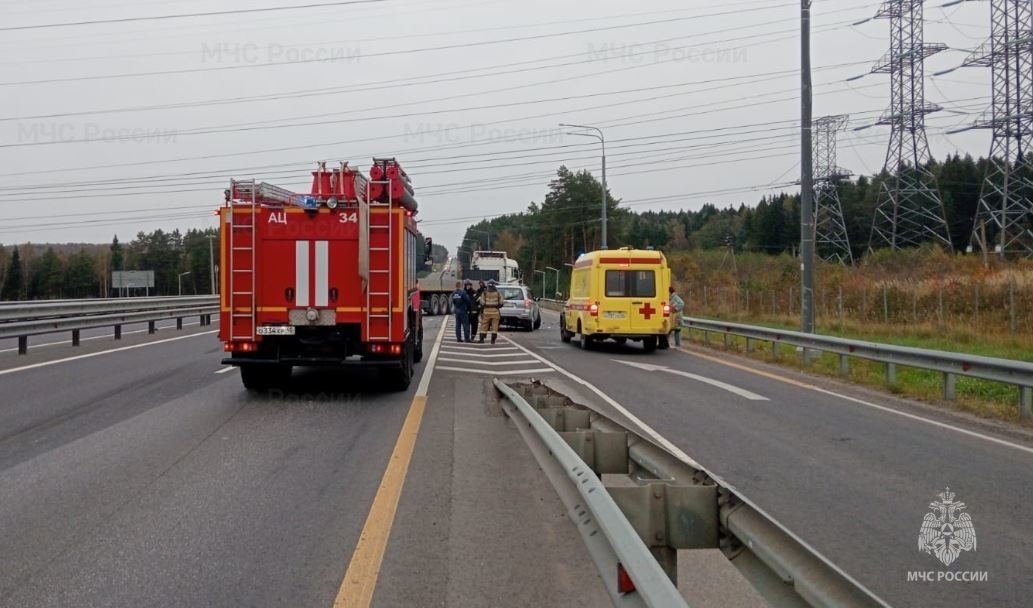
<point x="249" y="271"/>
<point x="380" y="297"/>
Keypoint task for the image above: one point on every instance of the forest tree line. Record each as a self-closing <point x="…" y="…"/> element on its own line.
<point x="566" y="222"/>
<point x="550" y="233"/>
<point x="42" y="272"/>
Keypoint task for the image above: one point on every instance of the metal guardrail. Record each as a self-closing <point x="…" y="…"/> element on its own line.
<point x="594" y="510"/>
<point x="951" y="365"/>
<point x="23" y="319"/>
<point x="649" y="504"/>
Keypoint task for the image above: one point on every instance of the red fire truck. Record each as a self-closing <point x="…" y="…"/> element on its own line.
<point x="326" y="278"/>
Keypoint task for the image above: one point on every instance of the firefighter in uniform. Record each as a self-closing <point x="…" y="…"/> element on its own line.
<point x="491" y="302"/>
<point x="475" y="307"/>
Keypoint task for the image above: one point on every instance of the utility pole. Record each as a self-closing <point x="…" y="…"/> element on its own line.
<point x="807" y="175"/>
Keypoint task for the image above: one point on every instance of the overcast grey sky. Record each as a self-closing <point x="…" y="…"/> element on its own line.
<point x="121" y="127"/>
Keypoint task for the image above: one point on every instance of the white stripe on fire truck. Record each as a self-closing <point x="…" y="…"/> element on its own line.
<point x="322" y="273"/>
<point x="301" y="273"/>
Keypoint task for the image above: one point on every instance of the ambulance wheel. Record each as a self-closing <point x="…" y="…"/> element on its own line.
<point x="583" y="341"/>
<point x="649" y="344"/>
<point x="665" y="343"/>
<point x="565" y="335"/>
<point x="265" y="377"/>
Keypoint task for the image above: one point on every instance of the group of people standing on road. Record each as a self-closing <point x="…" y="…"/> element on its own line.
<point x="478" y="309"/>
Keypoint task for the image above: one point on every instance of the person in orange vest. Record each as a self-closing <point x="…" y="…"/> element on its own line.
<point x="491" y="303"/>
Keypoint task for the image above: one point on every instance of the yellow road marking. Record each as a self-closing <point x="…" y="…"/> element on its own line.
<point x="360" y="579"/>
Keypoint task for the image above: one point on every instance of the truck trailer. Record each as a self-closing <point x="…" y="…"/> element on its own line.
<point x="323" y="279"/>
<point x="494" y="266"/>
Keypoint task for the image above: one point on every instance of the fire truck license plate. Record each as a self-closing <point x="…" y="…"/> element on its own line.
<point x="276" y="330"/>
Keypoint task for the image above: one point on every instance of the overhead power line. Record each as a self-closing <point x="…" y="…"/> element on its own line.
<point x="41" y="26"/>
<point x="444" y="47"/>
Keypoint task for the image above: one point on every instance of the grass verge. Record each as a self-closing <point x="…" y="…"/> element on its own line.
<point x="983" y="398"/>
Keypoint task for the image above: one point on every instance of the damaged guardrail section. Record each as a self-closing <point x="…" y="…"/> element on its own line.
<point x="638" y="508"/>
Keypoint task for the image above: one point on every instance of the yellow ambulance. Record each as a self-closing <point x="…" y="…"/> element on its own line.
<point x="620" y="295"/>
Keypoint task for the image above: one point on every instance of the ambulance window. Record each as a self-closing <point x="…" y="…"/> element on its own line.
<point x="642" y="283"/>
<point x="630" y="284"/>
<point x="615" y="287"/>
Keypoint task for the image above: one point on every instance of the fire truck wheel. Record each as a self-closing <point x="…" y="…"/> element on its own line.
<point x="402" y="378"/>
<point x="264" y="377"/>
<point x="418" y="355"/>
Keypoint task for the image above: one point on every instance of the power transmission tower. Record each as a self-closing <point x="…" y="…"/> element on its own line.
<point x="909" y="210"/>
<point x="1004" y="218"/>
<point x="830" y="234"/>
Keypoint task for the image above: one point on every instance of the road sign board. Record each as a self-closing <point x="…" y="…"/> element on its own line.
<point x="132" y="279"/>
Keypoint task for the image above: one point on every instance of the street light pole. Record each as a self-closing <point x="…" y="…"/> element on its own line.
<point x="487" y="234"/>
<point x="180" y="279"/>
<point x="211" y="261"/>
<point x="557" y="271"/>
<point x="602" y="141"/>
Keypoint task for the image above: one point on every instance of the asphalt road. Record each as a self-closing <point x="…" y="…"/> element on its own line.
<point x="139" y="473"/>
<point x="852" y="480"/>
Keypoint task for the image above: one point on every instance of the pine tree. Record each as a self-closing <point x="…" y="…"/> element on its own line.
<point x="45" y="279"/>
<point x="80" y="281"/>
<point x="14" y="280"/>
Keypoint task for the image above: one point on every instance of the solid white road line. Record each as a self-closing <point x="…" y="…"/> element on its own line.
<point x="889" y="410"/>
<point x="428" y="371"/>
<point x="226" y="370"/>
<point x="731" y="388"/>
<point x="23" y="368"/>
<point x="488" y="372"/>
<point x="643" y="428"/>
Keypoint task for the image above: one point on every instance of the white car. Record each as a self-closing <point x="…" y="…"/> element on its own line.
<point x="519" y="308"/>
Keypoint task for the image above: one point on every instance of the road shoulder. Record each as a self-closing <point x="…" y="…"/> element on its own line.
<point x="478" y="523"/>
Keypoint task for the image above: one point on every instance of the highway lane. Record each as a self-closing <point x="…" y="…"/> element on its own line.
<point x="852" y="480"/>
<point x="134" y="473"/>
<point x="142" y="477"/>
